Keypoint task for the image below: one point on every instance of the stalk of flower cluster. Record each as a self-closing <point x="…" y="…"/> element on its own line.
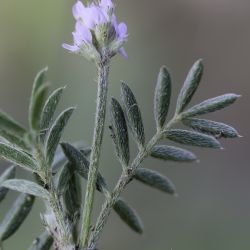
<point x="124" y="179"/>
<point x="103" y="73"/>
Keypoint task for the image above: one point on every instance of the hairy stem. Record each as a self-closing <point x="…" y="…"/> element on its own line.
<point x="59" y="230"/>
<point x="126" y="176"/>
<point x="103" y="72"/>
<point x="62" y="236"/>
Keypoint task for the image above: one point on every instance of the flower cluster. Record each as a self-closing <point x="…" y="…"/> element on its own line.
<point x="97" y="32"/>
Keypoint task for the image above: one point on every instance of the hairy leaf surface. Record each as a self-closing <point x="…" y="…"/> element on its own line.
<point x="49" y="110"/>
<point x="171" y="153"/>
<point x="27" y="187"/>
<point x="81" y="165"/>
<point x="9" y="124"/>
<point x="133" y="114"/>
<point x="42" y="242"/>
<point x="211" y="105"/>
<point x="216" y="129"/>
<point x="119" y="132"/>
<point x="162" y="97"/>
<point x="129" y="216"/>
<point x="16" y="215"/>
<point x="55" y="133"/>
<point x="17" y="157"/>
<point x="9" y="173"/>
<point x="192" y="138"/>
<point x="155" y="180"/>
<point x="190" y="86"/>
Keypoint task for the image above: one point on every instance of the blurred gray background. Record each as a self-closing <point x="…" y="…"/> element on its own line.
<point x="213" y="208"/>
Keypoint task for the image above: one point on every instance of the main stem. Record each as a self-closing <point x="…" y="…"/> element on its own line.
<point x="103" y="73"/>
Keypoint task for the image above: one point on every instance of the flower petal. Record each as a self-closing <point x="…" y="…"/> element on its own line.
<point x="114" y="23"/>
<point x="123" y="53"/>
<point x="78" y="10"/>
<point x="122" y="31"/>
<point x="71" y="48"/>
<point x="82" y="33"/>
<point x="106" y="4"/>
<point x="98" y="15"/>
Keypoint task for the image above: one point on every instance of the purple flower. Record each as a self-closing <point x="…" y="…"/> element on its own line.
<point x="97" y="30"/>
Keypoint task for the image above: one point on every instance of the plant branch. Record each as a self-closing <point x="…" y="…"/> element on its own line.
<point x="103" y="72"/>
<point x="125" y="178"/>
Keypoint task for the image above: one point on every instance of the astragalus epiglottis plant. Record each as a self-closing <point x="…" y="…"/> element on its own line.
<point x="59" y="168"/>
